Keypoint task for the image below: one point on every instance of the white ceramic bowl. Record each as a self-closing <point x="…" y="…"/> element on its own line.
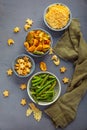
<point x="57" y="89"/>
<point x="31" y="69"/>
<point x="57" y="29"/>
<point x="26" y="40"/>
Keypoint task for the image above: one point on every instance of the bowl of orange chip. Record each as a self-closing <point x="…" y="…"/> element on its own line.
<point x="38" y="42"/>
<point x="57" y="16"/>
<point x="43" y="88"/>
<point x="23" y="65"/>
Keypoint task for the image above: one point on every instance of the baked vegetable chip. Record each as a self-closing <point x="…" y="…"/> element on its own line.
<point x="43" y="66"/>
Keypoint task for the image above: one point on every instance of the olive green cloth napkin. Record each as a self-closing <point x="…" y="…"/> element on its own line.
<point x="71" y="47"/>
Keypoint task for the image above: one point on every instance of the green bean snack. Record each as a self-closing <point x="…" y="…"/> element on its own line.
<point x="43" y="87"/>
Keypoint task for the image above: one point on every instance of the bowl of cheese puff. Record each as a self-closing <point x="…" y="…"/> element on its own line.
<point x="23" y="65"/>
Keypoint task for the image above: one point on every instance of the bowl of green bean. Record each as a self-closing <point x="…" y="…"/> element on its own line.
<point x="43" y="88"/>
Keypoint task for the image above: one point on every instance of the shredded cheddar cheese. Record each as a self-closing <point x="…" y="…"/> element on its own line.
<point x="57" y="16"/>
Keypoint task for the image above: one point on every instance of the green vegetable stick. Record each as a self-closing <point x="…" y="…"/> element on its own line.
<point x="52" y="77"/>
<point x="53" y="85"/>
<point x="35" y="80"/>
<point x="44" y="80"/>
<point x="44" y="89"/>
<point x="37" y="83"/>
<point x="45" y="85"/>
<point x="46" y="99"/>
<point x="48" y="93"/>
<point x="35" y="77"/>
<point x="38" y="52"/>
<point x="34" y="97"/>
<point x="42" y="75"/>
<point x="32" y="93"/>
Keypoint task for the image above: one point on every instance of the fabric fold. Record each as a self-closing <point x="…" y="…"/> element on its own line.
<point x="71" y="47"/>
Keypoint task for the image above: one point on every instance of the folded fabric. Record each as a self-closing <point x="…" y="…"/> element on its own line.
<point x="71" y="47"/>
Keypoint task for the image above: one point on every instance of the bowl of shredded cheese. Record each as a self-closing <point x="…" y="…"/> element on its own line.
<point x="57" y="16"/>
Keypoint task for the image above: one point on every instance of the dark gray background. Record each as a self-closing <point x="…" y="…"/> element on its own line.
<point x="14" y="13"/>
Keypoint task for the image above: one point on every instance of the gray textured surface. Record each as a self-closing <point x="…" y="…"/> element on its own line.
<point x="14" y="13"/>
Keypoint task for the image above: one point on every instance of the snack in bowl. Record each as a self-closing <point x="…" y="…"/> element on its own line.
<point x="44" y="88"/>
<point x="23" y="65"/>
<point x="38" y="42"/>
<point x="57" y="16"/>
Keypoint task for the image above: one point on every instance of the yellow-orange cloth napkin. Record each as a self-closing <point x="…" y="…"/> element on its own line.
<point x="71" y="47"/>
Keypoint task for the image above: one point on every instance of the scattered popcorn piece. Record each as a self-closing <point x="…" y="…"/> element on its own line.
<point x="16" y="29"/>
<point x="29" y="21"/>
<point x="5" y="93"/>
<point x="43" y="66"/>
<point x="23" y="86"/>
<point x="63" y="69"/>
<point x="10" y="41"/>
<point x="50" y="51"/>
<point x="28" y="24"/>
<point x="28" y="112"/>
<point x="23" y="102"/>
<point x="9" y="72"/>
<point x="65" y="80"/>
<point x="26" y="27"/>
